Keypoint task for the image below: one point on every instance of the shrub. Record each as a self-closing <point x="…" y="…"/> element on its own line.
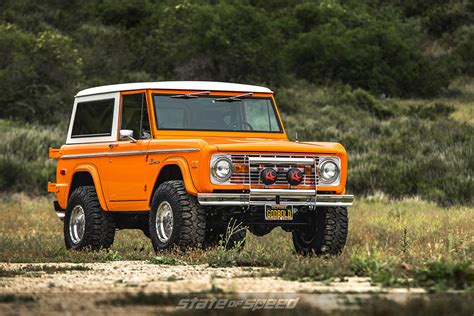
<point x="430" y="111"/>
<point x="24" y="163"/>
<point x="38" y="74"/>
<point x="441" y="275"/>
<point x="367" y="102"/>
<point x="464" y="49"/>
<point x="378" y="54"/>
<point x="447" y="17"/>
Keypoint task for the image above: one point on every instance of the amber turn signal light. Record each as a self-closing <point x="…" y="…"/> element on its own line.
<point x="241" y="168"/>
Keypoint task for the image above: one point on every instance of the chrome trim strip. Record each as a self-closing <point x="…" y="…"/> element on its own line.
<point x="130" y="153"/>
<point x="236" y="199"/>
<point x="219" y="196"/>
<point x="178" y="150"/>
<point x="282" y="160"/>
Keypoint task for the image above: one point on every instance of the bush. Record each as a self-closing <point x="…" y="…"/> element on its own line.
<point x="430" y="111"/>
<point x="447" y="17"/>
<point x="376" y="56"/>
<point x="464" y="49"/>
<point x="24" y="163"/>
<point x="441" y="275"/>
<point x="224" y="42"/>
<point x="38" y="75"/>
<point x="367" y="102"/>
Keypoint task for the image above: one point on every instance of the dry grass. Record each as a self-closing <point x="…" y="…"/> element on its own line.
<point x="388" y="240"/>
<point x="31" y="232"/>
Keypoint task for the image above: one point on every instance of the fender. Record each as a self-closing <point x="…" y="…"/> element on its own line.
<point x="92" y="170"/>
<point x="183" y="166"/>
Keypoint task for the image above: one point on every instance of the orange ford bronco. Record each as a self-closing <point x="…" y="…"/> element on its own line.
<point x="181" y="160"/>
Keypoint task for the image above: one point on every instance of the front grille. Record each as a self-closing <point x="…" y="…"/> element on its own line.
<point x="252" y="177"/>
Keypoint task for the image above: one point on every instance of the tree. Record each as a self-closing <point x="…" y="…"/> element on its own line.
<point x="38" y="74"/>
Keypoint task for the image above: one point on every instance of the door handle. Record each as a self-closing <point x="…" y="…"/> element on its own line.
<point x="111" y="146"/>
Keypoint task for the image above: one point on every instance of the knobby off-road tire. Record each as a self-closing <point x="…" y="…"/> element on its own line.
<point x="218" y="235"/>
<point x="188" y="218"/>
<point x="327" y="234"/>
<point x="99" y="227"/>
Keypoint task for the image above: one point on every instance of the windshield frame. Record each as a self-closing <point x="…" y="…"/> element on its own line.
<point x="216" y="95"/>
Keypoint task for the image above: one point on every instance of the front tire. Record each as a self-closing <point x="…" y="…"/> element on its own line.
<point x="176" y="218"/>
<point x="326" y="235"/>
<point x="86" y="225"/>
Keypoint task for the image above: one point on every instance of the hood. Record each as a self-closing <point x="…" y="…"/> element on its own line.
<point x="272" y="145"/>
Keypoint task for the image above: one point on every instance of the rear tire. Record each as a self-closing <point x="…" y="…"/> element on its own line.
<point x="181" y="221"/>
<point x="327" y="234"/>
<point x="86" y="225"/>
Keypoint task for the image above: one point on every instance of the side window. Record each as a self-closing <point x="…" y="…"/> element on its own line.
<point x="93" y="118"/>
<point x="135" y="115"/>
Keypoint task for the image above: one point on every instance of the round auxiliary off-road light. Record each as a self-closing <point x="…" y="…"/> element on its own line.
<point x="294" y="176"/>
<point x="268" y="176"/>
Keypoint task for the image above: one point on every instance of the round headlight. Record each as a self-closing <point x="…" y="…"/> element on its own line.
<point x="329" y="171"/>
<point x="222" y="169"/>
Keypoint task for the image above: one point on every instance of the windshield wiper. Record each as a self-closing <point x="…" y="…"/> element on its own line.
<point x="190" y="95"/>
<point x="233" y="99"/>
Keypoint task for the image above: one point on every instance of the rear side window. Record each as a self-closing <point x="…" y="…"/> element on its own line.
<point x="93" y="118"/>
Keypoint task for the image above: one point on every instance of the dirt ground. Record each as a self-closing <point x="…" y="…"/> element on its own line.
<point x="138" y="287"/>
<point x="140" y="276"/>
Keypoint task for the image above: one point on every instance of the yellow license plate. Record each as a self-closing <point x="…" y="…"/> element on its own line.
<point x="278" y="213"/>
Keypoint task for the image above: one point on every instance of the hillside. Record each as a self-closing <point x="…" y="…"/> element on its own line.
<point x="391" y="80"/>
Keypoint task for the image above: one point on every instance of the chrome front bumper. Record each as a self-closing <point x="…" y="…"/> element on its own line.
<point x="275" y="196"/>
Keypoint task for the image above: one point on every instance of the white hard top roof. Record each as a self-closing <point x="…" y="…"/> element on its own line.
<point x="176" y="85"/>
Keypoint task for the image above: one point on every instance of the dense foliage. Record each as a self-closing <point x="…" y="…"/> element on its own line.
<point x="338" y="67"/>
<point x="51" y="48"/>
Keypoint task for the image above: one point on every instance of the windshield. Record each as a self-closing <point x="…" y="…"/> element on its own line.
<point x="211" y="113"/>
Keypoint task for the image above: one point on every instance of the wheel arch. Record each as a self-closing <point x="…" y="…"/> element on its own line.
<point x="174" y="168"/>
<point x="88" y="175"/>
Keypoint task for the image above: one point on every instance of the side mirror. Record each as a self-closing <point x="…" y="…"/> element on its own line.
<point x="127" y="134"/>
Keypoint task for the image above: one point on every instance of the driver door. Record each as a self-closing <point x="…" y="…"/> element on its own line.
<point x="126" y="180"/>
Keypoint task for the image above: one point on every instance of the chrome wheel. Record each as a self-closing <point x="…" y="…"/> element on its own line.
<point x="164" y="222"/>
<point x="77" y="224"/>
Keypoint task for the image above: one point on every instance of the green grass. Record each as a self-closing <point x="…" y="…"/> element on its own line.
<point x="17" y="299"/>
<point x="35" y="270"/>
<point x="440" y="276"/>
<point x="166" y="260"/>
<point x="389" y="241"/>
